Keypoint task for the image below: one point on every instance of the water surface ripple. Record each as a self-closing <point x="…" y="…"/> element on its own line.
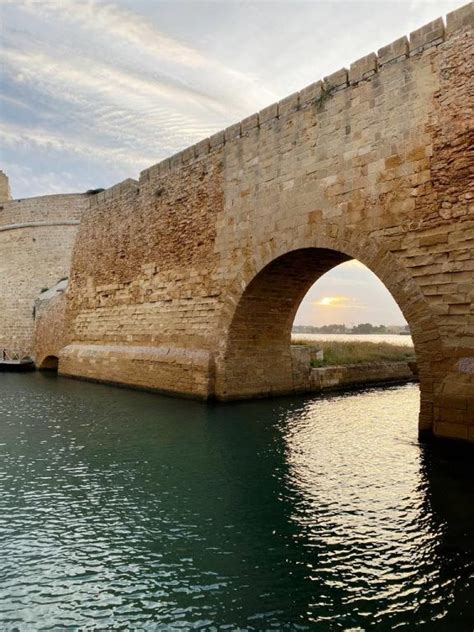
<point x="130" y="511"/>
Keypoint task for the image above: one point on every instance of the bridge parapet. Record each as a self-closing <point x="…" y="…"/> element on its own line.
<point x="428" y="36"/>
<point x="116" y="191"/>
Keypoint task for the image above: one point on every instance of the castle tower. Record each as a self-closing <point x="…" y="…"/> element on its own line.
<point x="5" y="193"/>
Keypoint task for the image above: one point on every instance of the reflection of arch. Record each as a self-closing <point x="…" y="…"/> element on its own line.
<point x="254" y="357"/>
<point x="50" y="363"/>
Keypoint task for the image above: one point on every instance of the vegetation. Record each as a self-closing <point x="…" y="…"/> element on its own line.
<point x="342" y="353"/>
<point x="361" y="328"/>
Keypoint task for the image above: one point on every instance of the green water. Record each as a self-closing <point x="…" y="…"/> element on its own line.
<point x="122" y="510"/>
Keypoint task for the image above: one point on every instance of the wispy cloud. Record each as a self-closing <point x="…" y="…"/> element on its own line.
<point x="104" y="83"/>
<point x="184" y="63"/>
<point x="41" y="139"/>
<point x="116" y="22"/>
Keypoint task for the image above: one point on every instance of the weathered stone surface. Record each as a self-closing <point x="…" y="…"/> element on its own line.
<point x="337" y="79"/>
<point x="289" y="104"/>
<point x="395" y="51"/>
<point x="50" y="333"/>
<point x="363" y="68"/>
<point x="268" y="113"/>
<point x="355" y="375"/>
<point x="249" y="123"/>
<point x="5" y="193"/>
<point x="427" y="35"/>
<point x="311" y="92"/>
<point x="189" y="282"/>
<point x="460" y="18"/>
<point x="36" y="241"/>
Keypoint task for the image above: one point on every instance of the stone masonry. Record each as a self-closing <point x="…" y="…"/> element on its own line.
<point x="187" y="281"/>
<point x="36" y="240"/>
<point x="5" y="193"/>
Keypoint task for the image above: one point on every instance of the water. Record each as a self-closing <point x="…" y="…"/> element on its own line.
<point x="394" y="339"/>
<point x="122" y="510"/>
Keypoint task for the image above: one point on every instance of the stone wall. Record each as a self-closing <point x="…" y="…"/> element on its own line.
<point x="5" y="193"/>
<point x="333" y="378"/>
<point x="36" y="240"/>
<point x="188" y="281"/>
<point x="50" y="322"/>
<point x="307" y="379"/>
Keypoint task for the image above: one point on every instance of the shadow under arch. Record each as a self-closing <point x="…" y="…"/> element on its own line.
<point x="49" y="363"/>
<point x="254" y="358"/>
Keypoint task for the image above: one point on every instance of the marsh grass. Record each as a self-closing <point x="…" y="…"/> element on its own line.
<point x="354" y="352"/>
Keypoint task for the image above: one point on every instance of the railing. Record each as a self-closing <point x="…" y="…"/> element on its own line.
<point x="13" y="355"/>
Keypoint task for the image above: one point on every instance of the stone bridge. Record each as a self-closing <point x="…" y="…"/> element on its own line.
<point x="188" y="280"/>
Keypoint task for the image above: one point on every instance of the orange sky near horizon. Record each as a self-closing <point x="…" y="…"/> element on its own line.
<point x="349" y="294"/>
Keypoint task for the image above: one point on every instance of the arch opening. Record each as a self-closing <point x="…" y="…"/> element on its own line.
<point x="257" y="359"/>
<point x="50" y="363"/>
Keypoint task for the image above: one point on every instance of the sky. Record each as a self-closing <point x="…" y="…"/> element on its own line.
<point x="92" y="92"/>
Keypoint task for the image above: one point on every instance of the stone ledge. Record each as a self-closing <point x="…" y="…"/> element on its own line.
<point x="141" y="367"/>
<point x="355" y="376"/>
<point x="116" y="191"/>
<point x="66" y="222"/>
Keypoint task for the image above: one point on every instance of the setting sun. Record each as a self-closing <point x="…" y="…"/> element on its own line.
<point x="331" y="301"/>
<point x="328" y="300"/>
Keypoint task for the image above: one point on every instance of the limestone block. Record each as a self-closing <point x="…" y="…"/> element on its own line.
<point x="249" y="123"/>
<point x="337" y="79"/>
<point x="268" y="113"/>
<point x="177" y="159"/>
<point x="234" y="131"/>
<point x="427" y="35"/>
<point x="188" y="154"/>
<point x="216" y="140"/>
<point x="460" y="18"/>
<point x="289" y="104"/>
<point x="363" y="68"/>
<point x="394" y="51"/>
<point x="311" y="92"/>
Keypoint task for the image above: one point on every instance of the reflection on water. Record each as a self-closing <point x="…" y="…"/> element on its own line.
<point x="126" y="510"/>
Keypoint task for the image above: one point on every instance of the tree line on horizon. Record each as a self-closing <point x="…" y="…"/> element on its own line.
<point x="361" y="328"/>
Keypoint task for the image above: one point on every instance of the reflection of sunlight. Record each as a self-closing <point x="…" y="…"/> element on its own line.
<point x="360" y="497"/>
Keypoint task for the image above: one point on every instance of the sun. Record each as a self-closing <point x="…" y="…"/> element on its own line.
<point x="328" y="300"/>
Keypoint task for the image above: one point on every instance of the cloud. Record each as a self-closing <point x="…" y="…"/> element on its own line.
<point x="119" y="26"/>
<point x="133" y="104"/>
<point x="128" y="110"/>
<point x="25" y="178"/>
<point x="37" y="138"/>
<point x="120" y="23"/>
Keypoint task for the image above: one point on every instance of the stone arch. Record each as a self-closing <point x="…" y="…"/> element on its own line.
<point x="254" y="353"/>
<point x="49" y="363"/>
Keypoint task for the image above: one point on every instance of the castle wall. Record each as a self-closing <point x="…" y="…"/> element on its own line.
<point x="36" y="241"/>
<point x="5" y="193"/>
<point x="50" y="334"/>
<point x="188" y="281"/>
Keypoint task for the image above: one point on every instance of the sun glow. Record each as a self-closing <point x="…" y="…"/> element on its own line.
<point x="332" y="301"/>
